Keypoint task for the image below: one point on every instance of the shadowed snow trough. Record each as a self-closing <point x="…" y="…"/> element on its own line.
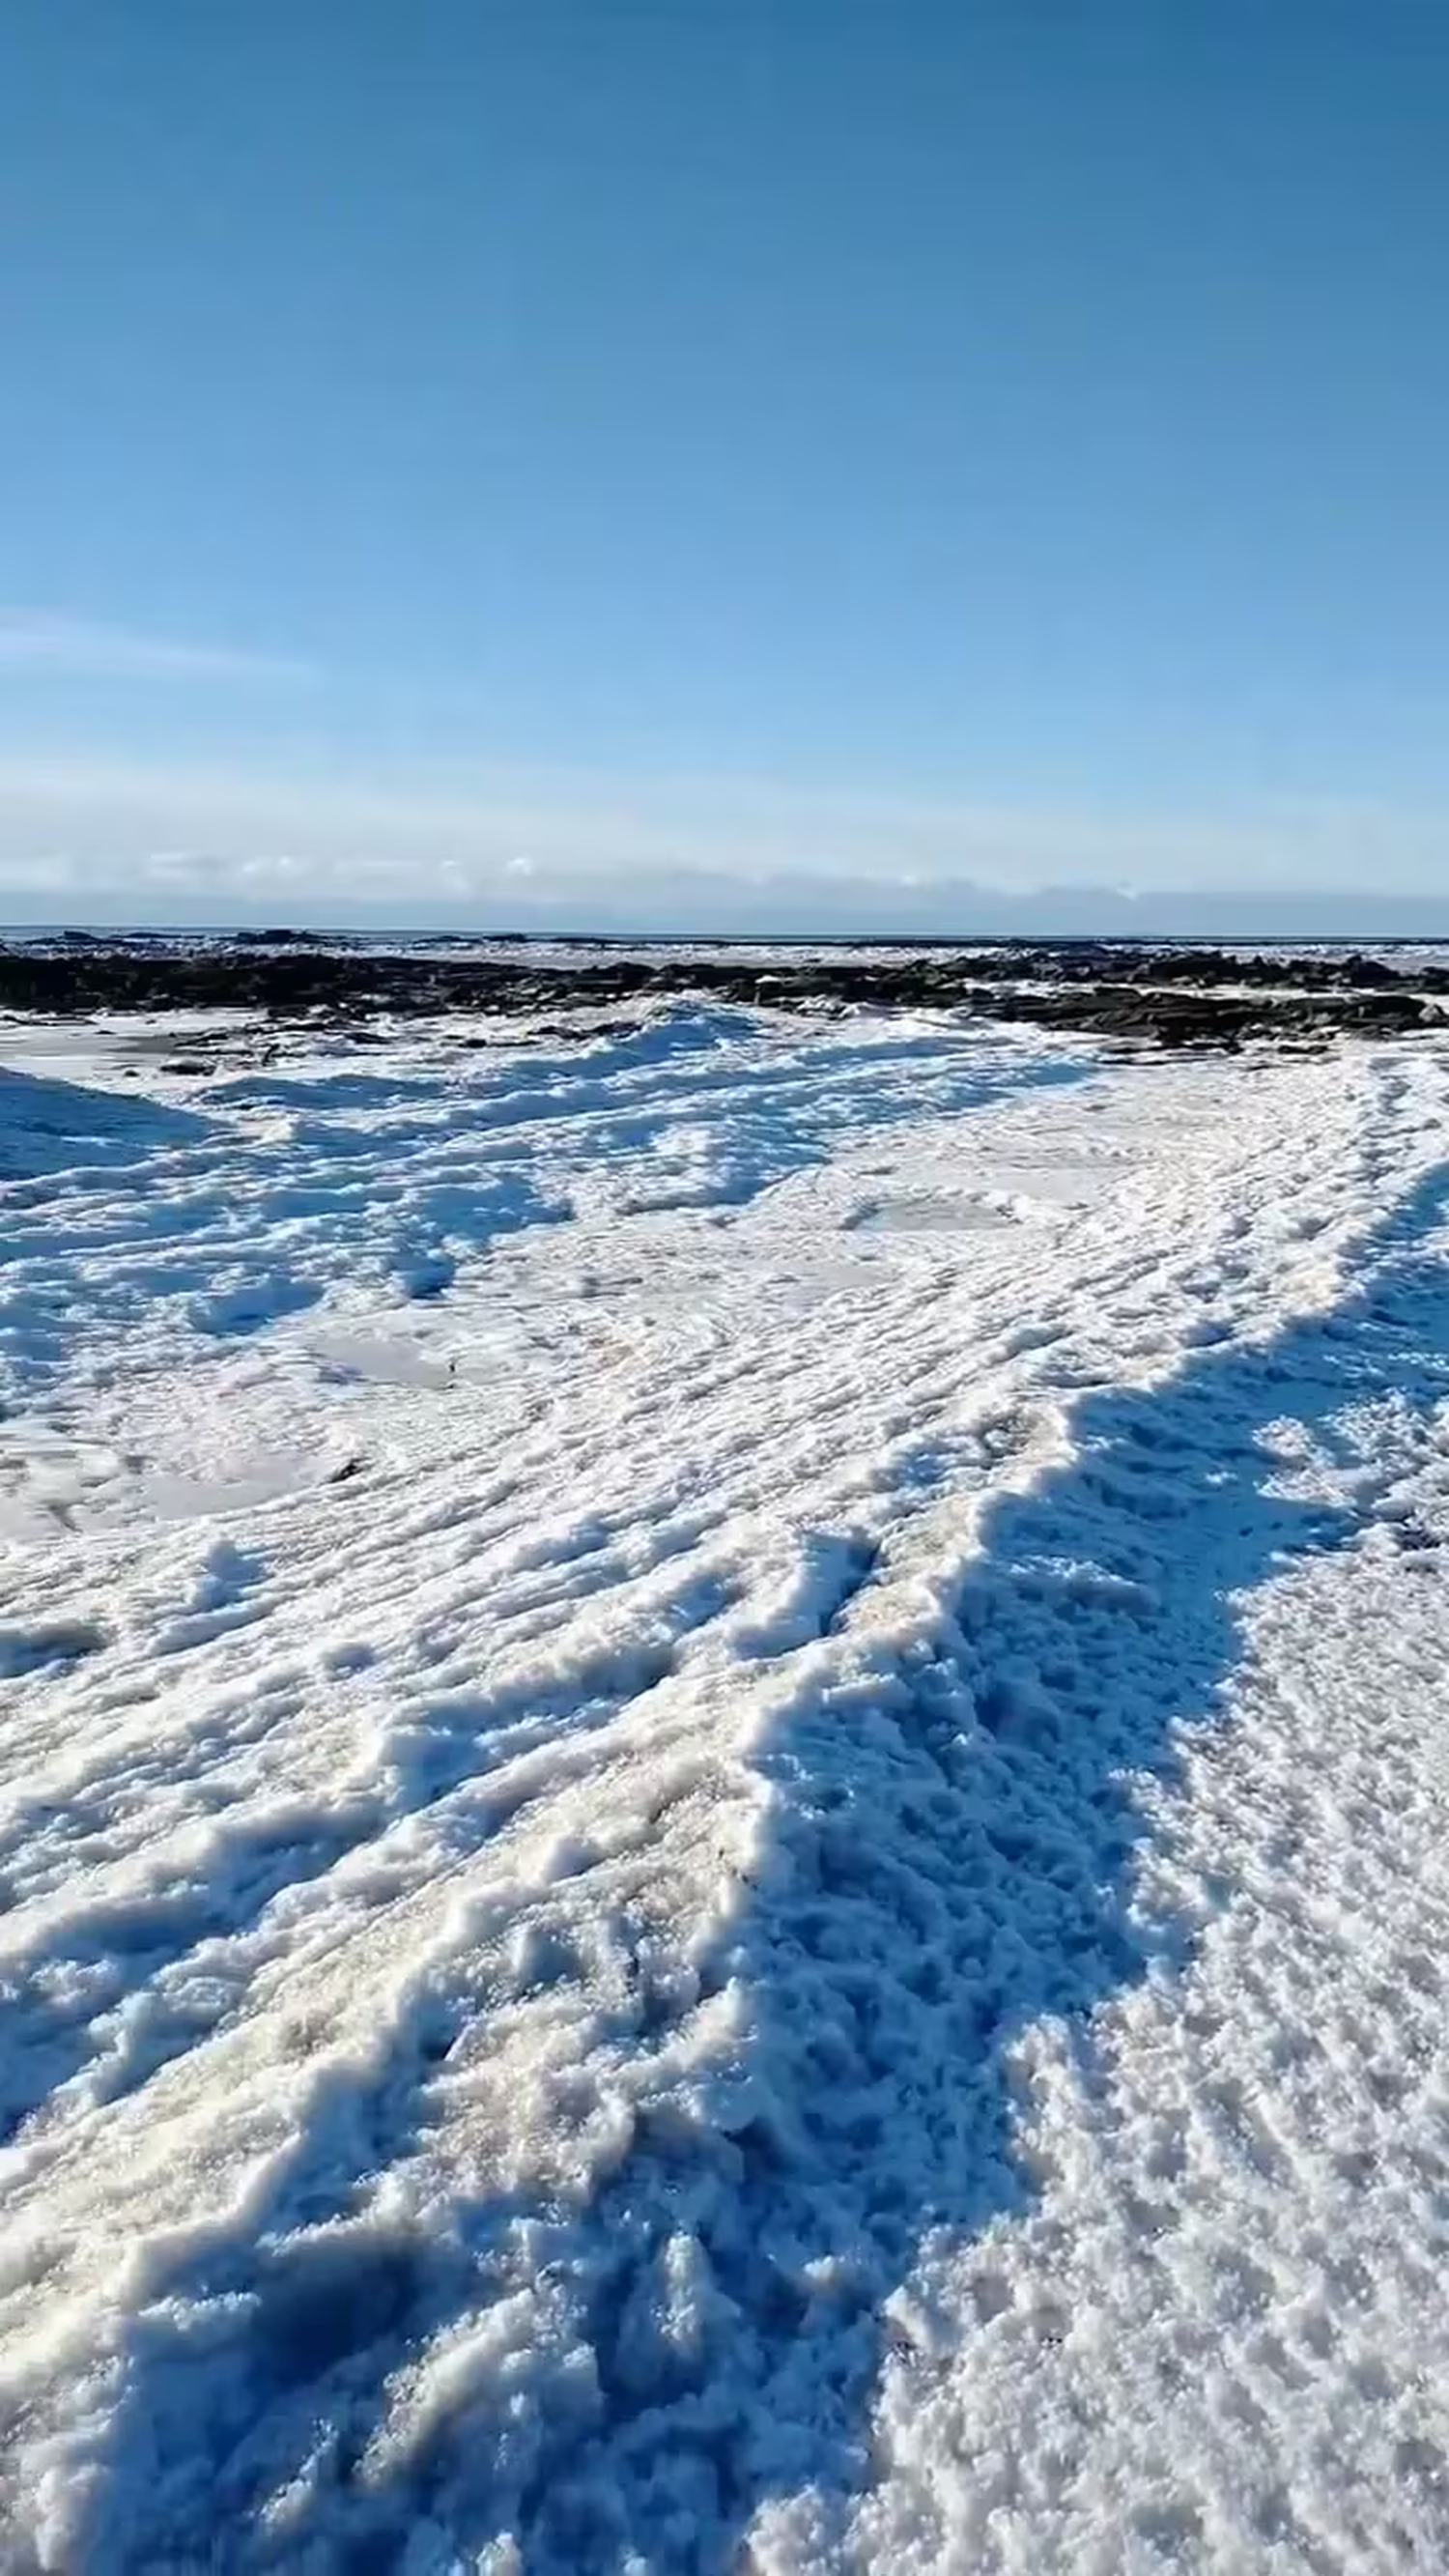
<point x="722" y="1805"/>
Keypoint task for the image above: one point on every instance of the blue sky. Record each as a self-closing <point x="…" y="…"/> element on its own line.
<point x="698" y="461"/>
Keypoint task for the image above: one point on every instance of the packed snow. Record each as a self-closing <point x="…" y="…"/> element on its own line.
<point x="724" y="1803"/>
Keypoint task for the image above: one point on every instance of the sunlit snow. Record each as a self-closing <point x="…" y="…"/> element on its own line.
<point x="724" y="1803"/>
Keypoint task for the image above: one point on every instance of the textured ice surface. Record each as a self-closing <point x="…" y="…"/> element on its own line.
<point x="722" y="1807"/>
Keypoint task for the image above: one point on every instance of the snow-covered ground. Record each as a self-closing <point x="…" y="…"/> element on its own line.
<point x="724" y="1805"/>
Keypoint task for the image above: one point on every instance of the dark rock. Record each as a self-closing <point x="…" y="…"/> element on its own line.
<point x="1175" y="998"/>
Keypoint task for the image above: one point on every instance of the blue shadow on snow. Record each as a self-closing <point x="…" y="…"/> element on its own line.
<point x="50" y="1126"/>
<point x="954" y="1835"/>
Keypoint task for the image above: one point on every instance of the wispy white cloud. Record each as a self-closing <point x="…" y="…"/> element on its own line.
<point x="83" y="838"/>
<point x="42" y="641"/>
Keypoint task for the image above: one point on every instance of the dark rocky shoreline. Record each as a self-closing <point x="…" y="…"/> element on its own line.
<point x="1164" y="996"/>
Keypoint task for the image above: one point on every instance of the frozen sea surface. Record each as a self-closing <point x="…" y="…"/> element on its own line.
<point x="724" y="1810"/>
